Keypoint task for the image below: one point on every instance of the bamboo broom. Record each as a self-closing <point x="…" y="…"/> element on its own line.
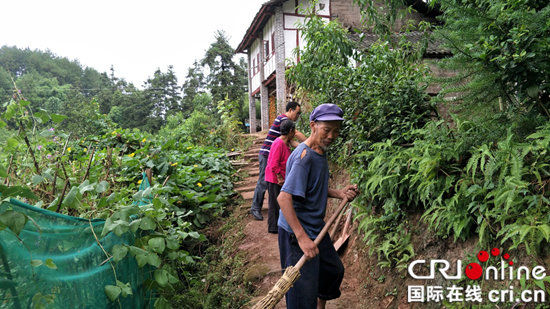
<point x="292" y="273"/>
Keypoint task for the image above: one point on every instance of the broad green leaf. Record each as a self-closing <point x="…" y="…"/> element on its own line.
<point x="157" y="244"/>
<point x="194" y="235"/>
<point x="162" y="303"/>
<point x="172" y="243"/>
<point x="120" y="227"/>
<point x="14" y="220"/>
<point x="172" y="279"/>
<point x="10" y="111"/>
<point x="102" y="187"/>
<point x="58" y="118"/>
<point x="50" y="298"/>
<point x="112" y="292"/>
<point x="2" y="226"/>
<point x="37" y="297"/>
<point x="119" y="252"/>
<point x="36" y="263"/>
<point x="127" y="211"/>
<point x="17" y="191"/>
<point x="46" y="133"/>
<point x="111" y="197"/>
<point x="12" y="143"/>
<point x="24" y="103"/>
<point x="102" y="203"/>
<point x="2" y="124"/>
<point x="42" y="116"/>
<point x="147" y="223"/>
<point x="142" y="260"/>
<point x="153" y="260"/>
<point x="134" y="225"/>
<point x="126" y="289"/>
<point x="161" y="277"/>
<point x="50" y="264"/>
<point x="87" y="188"/>
<point x="168" y="144"/>
<point x="540" y="284"/>
<point x="72" y="200"/>
<point x="157" y="203"/>
<point x="36" y="179"/>
<point x="3" y="172"/>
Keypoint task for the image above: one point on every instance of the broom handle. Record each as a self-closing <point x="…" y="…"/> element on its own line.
<point x="321" y="235"/>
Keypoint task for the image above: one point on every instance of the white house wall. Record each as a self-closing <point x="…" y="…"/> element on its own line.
<point x="268" y="32"/>
<point x="291" y="21"/>
<point x="290" y="44"/>
<point x="254" y="68"/>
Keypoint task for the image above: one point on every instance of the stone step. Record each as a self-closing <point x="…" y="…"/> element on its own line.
<point x="247" y="195"/>
<point x="246" y="182"/>
<point x="250" y="195"/>
<point x="246" y="188"/>
<point x="252" y="169"/>
<point x="255" y="151"/>
<point x="251" y="157"/>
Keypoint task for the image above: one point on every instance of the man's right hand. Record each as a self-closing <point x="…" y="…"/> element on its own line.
<point x="308" y="247"/>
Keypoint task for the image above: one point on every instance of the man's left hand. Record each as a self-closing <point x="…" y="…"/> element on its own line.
<point x="350" y="192"/>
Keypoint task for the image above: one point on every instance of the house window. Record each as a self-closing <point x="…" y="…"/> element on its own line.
<point x="253" y="66"/>
<point x="273" y="43"/>
<point x="266" y="50"/>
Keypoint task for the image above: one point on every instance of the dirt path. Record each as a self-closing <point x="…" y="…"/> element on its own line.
<point x="264" y="268"/>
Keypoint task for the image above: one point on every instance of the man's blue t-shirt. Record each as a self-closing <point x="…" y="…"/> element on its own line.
<point x="307" y="181"/>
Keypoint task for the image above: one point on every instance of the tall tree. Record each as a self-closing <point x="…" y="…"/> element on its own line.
<point x="163" y="95"/>
<point x="225" y="78"/>
<point x="194" y="85"/>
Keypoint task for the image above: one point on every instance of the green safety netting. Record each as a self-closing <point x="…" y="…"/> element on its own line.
<point x="79" y="269"/>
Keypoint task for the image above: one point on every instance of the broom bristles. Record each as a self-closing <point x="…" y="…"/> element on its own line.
<point x="282" y="286"/>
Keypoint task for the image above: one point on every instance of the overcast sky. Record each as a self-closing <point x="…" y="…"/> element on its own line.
<point x="136" y="37"/>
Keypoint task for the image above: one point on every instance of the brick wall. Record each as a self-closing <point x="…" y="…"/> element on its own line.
<point x="349" y="15"/>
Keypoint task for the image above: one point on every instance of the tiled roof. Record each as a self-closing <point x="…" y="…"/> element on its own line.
<point x="365" y="40"/>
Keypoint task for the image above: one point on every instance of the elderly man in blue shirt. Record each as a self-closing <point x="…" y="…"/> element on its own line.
<point x="303" y="201"/>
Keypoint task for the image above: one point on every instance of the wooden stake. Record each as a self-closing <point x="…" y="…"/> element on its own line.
<point x="62" y="195"/>
<point x="30" y="149"/>
<point x="89" y="165"/>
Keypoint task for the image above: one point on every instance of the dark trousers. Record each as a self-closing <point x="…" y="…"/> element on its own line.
<point x="320" y="277"/>
<point x="273" y="190"/>
<point x="261" y="185"/>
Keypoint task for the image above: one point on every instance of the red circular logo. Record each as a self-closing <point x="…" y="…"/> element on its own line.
<point x="495" y="252"/>
<point x="506" y="256"/>
<point x="482" y="256"/>
<point x="474" y="270"/>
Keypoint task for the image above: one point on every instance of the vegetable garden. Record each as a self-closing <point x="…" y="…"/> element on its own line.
<point x="90" y="221"/>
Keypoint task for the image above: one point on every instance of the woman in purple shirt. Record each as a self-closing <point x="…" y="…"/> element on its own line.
<point x="275" y="171"/>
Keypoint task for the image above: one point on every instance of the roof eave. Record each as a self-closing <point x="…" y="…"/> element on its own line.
<point x="258" y="21"/>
